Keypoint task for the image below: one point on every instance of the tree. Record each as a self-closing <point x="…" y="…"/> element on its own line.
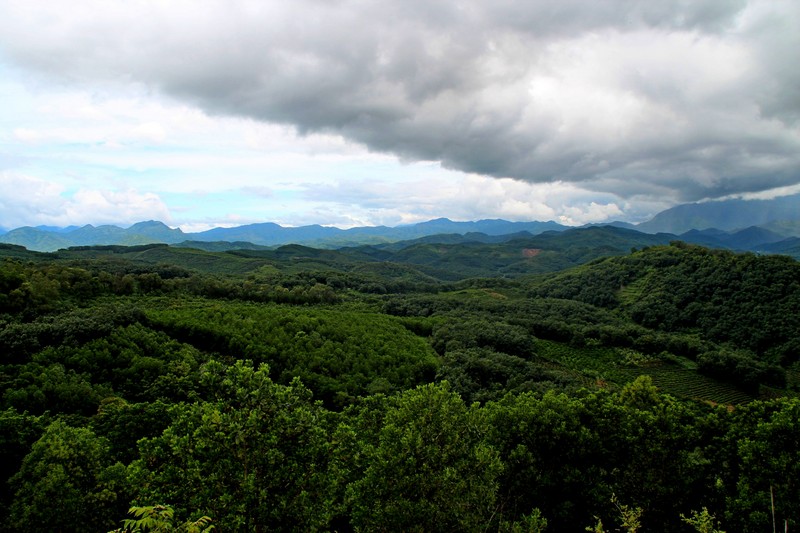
<point x="253" y="454"/>
<point x="18" y="432"/>
<point x="67" y="483"/>
<point x="431" y="470"/>
<point x="651" y="450"/>
<point x="549" y="454"/>
<point x="764" y="459"/>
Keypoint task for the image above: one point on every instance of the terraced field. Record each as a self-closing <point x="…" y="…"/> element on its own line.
<point x="614" y="364"/>
<point x="690" y="384"/>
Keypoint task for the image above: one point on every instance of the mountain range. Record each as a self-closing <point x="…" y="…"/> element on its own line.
<point x="433" y="258"/>
<point x="770" y="226"/>
<point x="263" y="234"/>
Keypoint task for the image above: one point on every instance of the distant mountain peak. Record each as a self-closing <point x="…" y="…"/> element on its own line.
<point x="148" y="223"/>
<point x="727" y="215"/>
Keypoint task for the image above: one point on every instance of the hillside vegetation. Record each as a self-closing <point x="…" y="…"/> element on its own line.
<point x="746" y="305"/>
<point x="419" y="387"/>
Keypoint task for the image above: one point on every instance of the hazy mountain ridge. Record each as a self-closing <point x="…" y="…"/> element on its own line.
<point x="48" y="240"/>
<point x="754" y="238"/>
<point x="778" y="214"/>
<point x="444" y="257"/>
<point x="743" y="225"/>
<point x="263" y="234"/>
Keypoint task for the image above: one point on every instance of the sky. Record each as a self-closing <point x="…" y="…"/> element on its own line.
<point x="204" y="113"/>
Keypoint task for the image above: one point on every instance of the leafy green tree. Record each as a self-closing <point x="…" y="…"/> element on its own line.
<point x="67" y="483"/>
<point x="741" y="367"/>
<point x="54" y="388"/>
<point x="124" y="424"/>
<point x="550" y="457"/>
<point x="18" y="431"/>
<point x="337" y="354"/>
<point x="252" y="454"/>
<point x="11" y="279"/>
<point x="651" y="450"/>
<point x="630" y="517"/>
<point x="482" y="374"/>
<point x="460" y="332"/>
<point x="763" y="465"/>
<point x="431" y="469"/>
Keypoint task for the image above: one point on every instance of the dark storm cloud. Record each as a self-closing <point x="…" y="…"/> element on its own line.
<point x="677" y="99"/>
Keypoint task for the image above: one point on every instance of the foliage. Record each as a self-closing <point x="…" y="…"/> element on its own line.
<point x="252" y="454"/>
<point x="746" y="300"/>
<point x="159" y="519"/>
<point x="532" y="523"/>
<point x="741" y="367"/>
<point x="630" y="517"/>
<point x="702" y="522"/>
<point x="482" y="374"/>
<point x="339" y="354"/>
<point x="762" y="442"/>
<point x="18" y="432"/>
<point x="548" y="453"/>
<point x="124" y="424"/>
<point x="444" y="474"/>
<point x="67" y="472"/>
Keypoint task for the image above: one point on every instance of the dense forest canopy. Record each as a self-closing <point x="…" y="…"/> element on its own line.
<point x="407" y="390"/>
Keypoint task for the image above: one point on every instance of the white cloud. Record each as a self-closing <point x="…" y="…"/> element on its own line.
<point x="27" y="200"/>
<point x="688" y="100"/>
<point x="221" y="109"/>
<point x="126" y="206"/>
<point x="463" y="197"/>
<point x="150" y="131"/>
<point x="577" y="215"/>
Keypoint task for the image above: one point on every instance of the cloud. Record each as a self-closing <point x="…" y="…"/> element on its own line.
<point x="663" y="100"/>
<point x="468" y="197"/>
<point x="150" y="131"/>
<point x="126" y="206"/>
<point x="27" y="200"/>
<point x="261" y="192"/>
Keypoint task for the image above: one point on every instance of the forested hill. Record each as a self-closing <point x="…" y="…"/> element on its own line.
<point x="433" y="386"/>
<point x="748" y="304"/>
